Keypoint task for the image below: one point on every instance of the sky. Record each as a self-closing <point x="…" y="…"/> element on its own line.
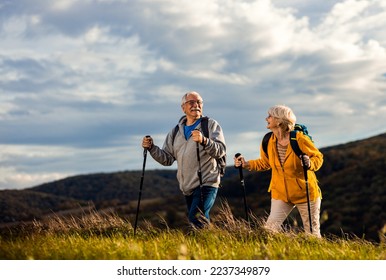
<point x="82" y="81"/>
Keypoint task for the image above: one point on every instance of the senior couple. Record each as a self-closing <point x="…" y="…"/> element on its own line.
<point x="198" y="171"/>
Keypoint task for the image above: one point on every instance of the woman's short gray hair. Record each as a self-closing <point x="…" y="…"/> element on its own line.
<point x="285" y="115"/>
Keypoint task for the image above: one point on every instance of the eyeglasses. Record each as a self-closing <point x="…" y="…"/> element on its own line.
<point x="192" y="102"/>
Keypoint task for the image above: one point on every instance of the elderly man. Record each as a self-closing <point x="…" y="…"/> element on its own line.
<point x="196" y="154"/>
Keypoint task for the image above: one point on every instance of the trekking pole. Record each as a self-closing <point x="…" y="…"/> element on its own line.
<point x="305" y="168"/>
<point x="243" y="186"/>
<point x="199" y="164"/>
<point x="199" y="172"/>
<point x="140" y="186"/>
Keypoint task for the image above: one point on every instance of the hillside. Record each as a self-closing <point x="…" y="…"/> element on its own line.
<point x="352" y="182"/>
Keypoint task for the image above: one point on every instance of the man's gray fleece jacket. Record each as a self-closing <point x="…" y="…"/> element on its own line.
<point x="185" y="153"/>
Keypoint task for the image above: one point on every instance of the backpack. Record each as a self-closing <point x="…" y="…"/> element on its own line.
<point x="221" y="162"/>
<point x="294" y="144"/>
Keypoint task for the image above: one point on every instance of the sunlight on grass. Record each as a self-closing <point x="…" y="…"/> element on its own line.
<point x="106" y="236"/>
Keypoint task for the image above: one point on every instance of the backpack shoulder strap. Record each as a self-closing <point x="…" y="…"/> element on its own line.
<point x="175" y="129"/>
<point x="221" y="162"/>
<point x="294" y="143"/>
<point x="205" y="126"/>
<point x="265" y="142"/>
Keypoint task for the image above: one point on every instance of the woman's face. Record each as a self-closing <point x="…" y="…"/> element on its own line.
<point x="272" y="122"/>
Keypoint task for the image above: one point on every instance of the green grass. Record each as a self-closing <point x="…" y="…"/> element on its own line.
<point x="105" y="236"/>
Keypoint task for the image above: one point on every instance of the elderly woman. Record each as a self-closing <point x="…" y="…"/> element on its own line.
<point x="288" y="186"/>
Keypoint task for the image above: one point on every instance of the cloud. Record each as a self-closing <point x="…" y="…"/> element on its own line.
<point x="82" y="81"/>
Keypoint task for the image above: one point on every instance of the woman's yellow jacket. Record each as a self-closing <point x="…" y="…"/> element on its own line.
<point x="287" y="182"/>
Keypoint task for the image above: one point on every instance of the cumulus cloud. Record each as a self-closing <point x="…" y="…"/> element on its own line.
<point x="82" y="81"/>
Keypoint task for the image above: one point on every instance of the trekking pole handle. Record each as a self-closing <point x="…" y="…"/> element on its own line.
<point x="144" y="158"/>
<point x="305" y="168"/>
<point x="240" y="168"/>
<point x="236" y="156"/>
<point x="196" y="129"/>
<point x="145" y="149"/>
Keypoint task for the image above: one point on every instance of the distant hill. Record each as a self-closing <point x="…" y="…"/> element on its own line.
<point x="352" y="180"/>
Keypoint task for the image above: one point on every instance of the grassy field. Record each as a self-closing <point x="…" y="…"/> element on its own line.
<point x="105" y="236"/>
